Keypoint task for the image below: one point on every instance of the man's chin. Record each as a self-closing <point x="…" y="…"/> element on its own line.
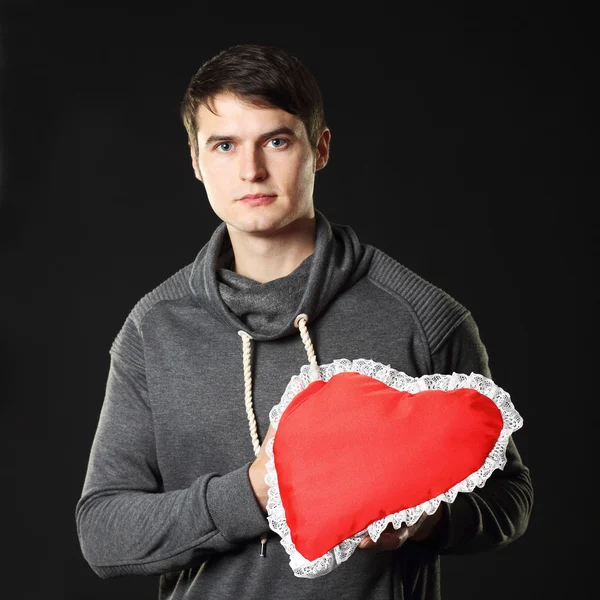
<point x="258" y="226"/>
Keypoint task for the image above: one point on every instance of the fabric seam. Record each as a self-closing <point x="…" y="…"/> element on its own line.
<point x="413" y="312"/>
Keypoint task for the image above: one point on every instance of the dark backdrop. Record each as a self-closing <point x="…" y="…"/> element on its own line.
<point x="462" y="145"/>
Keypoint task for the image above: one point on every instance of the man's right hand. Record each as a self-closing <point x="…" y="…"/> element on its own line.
<point x="258" y="471"/>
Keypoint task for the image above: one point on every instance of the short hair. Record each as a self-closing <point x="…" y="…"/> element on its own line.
<point x="262" y="75"/>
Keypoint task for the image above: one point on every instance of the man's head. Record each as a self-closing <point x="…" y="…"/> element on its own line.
<point x="264" y="76"/>
<point x="255" y="123"/>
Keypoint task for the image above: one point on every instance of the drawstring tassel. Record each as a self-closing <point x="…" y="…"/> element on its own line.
<point x="263" y="544"/>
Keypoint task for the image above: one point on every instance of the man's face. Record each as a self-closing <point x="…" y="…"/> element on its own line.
<point x="243" y="150"/>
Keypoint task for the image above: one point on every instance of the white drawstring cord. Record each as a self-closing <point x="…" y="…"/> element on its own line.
<point x="299" y="322"/>
<point x="248" y="390"/>
<point x="250" y="412"/>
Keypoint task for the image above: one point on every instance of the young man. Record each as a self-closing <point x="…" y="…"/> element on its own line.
<point x="176" y="478"/>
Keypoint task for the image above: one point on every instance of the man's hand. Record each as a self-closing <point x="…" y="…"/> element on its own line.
<point x="258" y="470"/>
<point x="392" y="539"/>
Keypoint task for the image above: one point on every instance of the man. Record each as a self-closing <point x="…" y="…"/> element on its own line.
<point x="176" y="478"/>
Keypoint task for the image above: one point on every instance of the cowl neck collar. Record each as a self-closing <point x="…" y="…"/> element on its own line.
<point x="267" y="310"/>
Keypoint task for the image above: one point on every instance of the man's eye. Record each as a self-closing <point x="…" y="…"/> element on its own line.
<point x="281" y="144"/>
<point x="227" y="146"/>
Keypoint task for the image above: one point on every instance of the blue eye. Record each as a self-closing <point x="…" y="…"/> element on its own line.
<point x="277" y="143"/>
<point x="279" y="140"/>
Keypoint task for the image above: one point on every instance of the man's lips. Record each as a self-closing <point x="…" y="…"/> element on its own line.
<point x="256" y="199"/>
<point x="255" y="196"/>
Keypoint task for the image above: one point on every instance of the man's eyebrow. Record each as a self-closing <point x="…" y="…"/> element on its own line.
<point x="211" y="139"/>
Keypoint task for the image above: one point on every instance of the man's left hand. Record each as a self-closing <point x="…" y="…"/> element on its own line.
<point x="392" y="539"/>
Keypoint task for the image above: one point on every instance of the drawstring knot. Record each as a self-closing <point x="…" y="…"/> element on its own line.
<point x="300" y="322"/>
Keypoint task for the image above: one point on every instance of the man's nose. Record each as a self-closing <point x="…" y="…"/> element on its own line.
<point x="252" y="167"/>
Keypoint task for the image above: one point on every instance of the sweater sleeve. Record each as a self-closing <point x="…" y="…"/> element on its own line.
<point x="498" y="513"/>
<point x="126" y="523"/>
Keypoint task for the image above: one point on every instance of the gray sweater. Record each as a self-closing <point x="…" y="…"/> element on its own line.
<point x="167" y="490"/>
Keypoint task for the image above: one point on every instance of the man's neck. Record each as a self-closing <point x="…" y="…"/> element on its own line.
<point x="264" y="258"/>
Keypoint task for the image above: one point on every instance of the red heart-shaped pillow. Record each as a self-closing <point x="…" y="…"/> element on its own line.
<point x="359" y="445"/>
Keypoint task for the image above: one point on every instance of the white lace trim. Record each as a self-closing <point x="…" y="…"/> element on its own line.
<point x="496" y="459"/>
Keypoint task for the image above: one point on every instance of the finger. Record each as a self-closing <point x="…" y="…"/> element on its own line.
<point x="414" y="529"/>
<point x="367" y="542"/>
<point x="390" y="541"/>
<point x="418" y="523"/>
<point x="401" y="537"/>
<point x="385" y="542"/>
<point x="268" y="436"/>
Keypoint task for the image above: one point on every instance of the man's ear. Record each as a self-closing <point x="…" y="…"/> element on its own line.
<point x="323" y="149"/>
<point x="195" y="163"/>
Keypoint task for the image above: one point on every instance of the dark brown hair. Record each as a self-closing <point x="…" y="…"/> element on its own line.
<point x="264" y="76"/>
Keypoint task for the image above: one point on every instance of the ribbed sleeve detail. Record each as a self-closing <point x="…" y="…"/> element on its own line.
<point x="128" y="345"/>
<point x="128" y="342"/>
<point x="437" y="312"/>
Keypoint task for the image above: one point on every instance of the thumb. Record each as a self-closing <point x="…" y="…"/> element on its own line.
<point x="268" y="436"/>
<point x="270" y="433"/>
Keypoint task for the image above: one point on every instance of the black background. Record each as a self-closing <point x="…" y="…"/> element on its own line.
<point x="462" y="144"/>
